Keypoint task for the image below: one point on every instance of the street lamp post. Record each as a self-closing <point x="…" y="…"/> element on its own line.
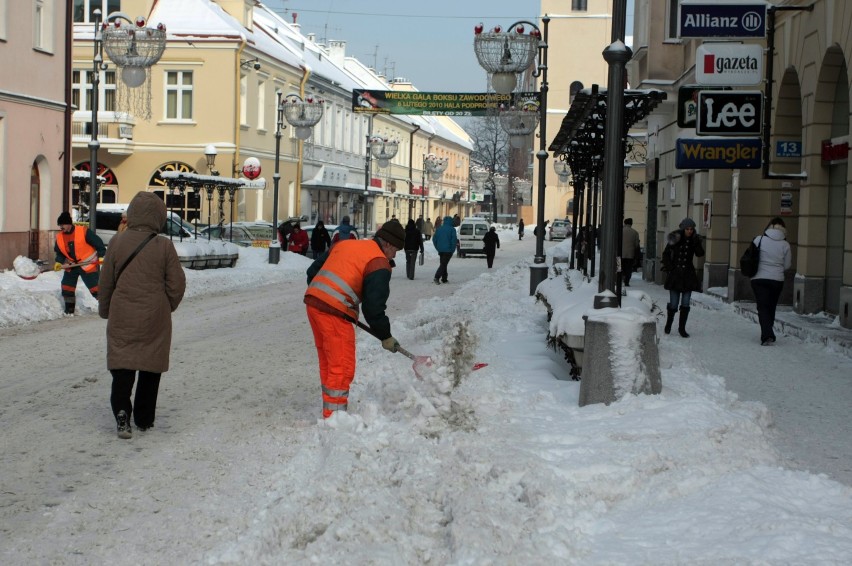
<point x="274" y="244"/>
<point x="505" y="55"/>
<point x="133" y="49"/>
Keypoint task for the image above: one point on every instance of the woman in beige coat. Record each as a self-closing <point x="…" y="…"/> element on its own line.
<point x="138" y="296"/>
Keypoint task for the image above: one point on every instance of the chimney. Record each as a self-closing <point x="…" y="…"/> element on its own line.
<point x="337" y="51"/>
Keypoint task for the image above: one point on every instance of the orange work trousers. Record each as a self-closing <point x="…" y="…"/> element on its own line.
<point x="335" y="341"/>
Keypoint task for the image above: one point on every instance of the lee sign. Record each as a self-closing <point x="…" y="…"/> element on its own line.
<point x="729" y="113"/>
<point x="729" y="64"/>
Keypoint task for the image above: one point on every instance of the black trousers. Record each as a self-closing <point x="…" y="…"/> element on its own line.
<point x="445" y="258"/>
<point x="766" y="295"/>
<point x="627" y="269"/>
<point x="489" y="257"/>
<point x="146" y="395"/>
<point x="410" y="262"/>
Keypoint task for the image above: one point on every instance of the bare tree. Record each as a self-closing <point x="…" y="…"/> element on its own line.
<point x="490" y="150"/>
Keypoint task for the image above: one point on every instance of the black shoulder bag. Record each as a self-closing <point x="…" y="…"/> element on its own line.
<point x="133" y="255"/>
<point x="750" y="260"/>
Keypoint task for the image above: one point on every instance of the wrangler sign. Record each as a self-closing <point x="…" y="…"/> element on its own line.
<point x="729" y="64"/>
<point x="729" y="113"/>
<point x="718" y="153"/>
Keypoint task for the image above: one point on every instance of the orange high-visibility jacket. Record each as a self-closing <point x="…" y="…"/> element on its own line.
<point x="83" y="250"/>
<point x="339" y="283"/>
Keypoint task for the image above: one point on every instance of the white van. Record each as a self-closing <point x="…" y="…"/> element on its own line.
<point x="109" y="217"/>
<point x="471" y="231"/>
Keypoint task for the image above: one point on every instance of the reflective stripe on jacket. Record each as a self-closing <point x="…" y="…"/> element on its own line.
<point x="82" y="250"/>
<point x="340" y="282"/>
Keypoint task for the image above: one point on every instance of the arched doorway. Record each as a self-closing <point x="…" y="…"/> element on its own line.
<point x="35" y="200"/>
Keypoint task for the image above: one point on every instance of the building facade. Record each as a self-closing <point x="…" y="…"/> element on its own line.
<point x="34" y="161"/>
<point x="804" y="175"/>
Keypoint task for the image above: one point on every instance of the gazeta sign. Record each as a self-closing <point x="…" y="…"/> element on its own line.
<point x="729" y="64"/>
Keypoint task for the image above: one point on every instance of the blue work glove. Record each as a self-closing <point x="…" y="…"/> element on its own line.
<point x="390" y="344"/>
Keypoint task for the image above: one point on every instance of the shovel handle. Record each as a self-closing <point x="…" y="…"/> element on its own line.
<point x="369" y="331"/>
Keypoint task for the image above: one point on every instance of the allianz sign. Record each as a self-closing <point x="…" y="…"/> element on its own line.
<point x="722" y="64"/>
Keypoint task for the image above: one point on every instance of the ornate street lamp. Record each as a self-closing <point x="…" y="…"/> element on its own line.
<point x="383" y="150"/>
<point x="303" y="115"/>
<point x="519" y="122"/>
<point x="562" y="169"/>
<point x="501" y="182"/>
<point x="134" y="50"/>
<point x="210" y="154"/>
<point x="504" y="55"/>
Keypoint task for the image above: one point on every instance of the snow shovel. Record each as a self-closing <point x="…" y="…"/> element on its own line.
<point x="45" y="269"/>
<point x="421" y="363"/>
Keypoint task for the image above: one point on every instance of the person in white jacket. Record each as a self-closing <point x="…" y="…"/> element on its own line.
<point x="767" y="283"/>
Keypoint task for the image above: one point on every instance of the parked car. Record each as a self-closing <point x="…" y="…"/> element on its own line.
<point x="559" y="230"/>
<point x="108" y="217"/>
<point x="245" y="234"/>
<point x="471" y="231"/>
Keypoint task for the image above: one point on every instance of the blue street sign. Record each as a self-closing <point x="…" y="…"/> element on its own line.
<point x="722" y="20"/>
<point x="788" y="148"/>
<point x="718" y="153"/>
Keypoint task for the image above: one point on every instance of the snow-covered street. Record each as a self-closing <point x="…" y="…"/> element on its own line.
<point x="745" y="457"/>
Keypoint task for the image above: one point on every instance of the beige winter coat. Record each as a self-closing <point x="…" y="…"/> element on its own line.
<point x="139" y="306"/>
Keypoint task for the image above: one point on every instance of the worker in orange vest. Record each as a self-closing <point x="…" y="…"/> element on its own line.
<point x="77" y="244"/>
<point x="352" y="274"/>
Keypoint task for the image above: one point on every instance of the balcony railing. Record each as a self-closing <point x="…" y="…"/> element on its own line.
<point x="115" y="131"/>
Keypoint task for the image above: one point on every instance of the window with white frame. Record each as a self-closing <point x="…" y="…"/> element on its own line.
<point x="43" y="25"/>
<point x="81" y="90"/>
<point x="244" y="100"/>
<point x="261" y="105"/>
<point x="83" y="9"/>
<point x="3" y="9"/>
<point x="178" y="95"/>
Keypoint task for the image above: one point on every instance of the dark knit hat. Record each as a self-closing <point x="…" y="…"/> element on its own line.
<point x="64" y="218"/>
<point x="628" y="221"/>
<point x="393" y="233"/>
<point x="687" y="223"/>
<point x="344" y="220"/>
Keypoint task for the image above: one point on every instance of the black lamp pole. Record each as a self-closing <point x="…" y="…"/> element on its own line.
<point x="94" y="144"/>
<point x="274" y="245"/>
<point x="538" y="271"/>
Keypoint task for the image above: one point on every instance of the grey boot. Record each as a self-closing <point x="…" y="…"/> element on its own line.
<point x="670" y="312"/>
<point x="681" y="323"/>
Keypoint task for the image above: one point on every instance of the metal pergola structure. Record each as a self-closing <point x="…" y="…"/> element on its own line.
<point x="580" y="142"/>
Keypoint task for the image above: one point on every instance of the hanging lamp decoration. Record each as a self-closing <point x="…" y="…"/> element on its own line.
<point x="562" y="169"/>
<point x="303" y="115"/>
<point x="519" y="122"/>
<point x="134" y="48"/>
<point x="523" y="187"/>
<point x="479" y="175"/>
<point x="383" y="149"/>
<point x="435" y="166"/>
<point x="504" y="55"/>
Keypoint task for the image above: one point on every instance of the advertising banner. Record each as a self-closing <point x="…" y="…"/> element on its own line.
<point x="729" y="113"/>
<point x="437" y="103"/>
<point x="718" y="153"/>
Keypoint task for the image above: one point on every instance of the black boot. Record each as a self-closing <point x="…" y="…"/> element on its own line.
<point x="670" y="312"/>
<point x="681" y="322"/>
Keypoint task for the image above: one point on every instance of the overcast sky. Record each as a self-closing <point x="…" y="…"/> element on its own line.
<point x="429" y="43"/>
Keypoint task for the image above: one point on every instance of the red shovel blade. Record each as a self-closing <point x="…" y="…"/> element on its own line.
<point x="421" y="365"/>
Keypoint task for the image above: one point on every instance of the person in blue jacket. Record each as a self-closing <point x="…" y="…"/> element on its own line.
<point x="444" y="240"/>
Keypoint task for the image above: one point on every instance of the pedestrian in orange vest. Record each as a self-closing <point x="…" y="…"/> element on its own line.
<point x="77" y="244"/>
<point x="353" y="274"/>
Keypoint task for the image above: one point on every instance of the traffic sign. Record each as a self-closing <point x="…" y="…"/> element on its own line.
<point x="719" y="19"/>
<point x="729" y="64"/>
<point x="729" y="113"/>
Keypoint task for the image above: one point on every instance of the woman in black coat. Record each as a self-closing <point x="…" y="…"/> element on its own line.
<point x="681" y="280"/>
<point x="320" y="239"/>
<point x="492" y="242"/>
<point x="413" y="244"/>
